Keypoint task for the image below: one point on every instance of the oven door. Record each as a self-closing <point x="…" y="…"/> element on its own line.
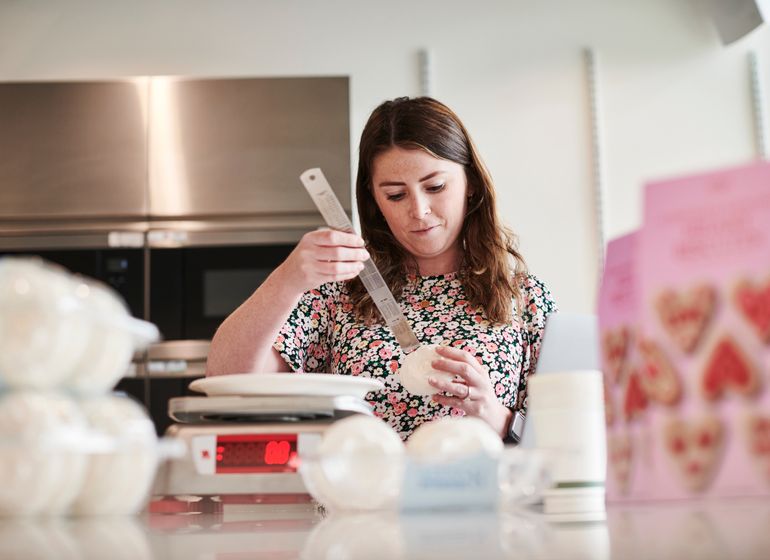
<point x="193" y="289"/>
<point x="196" y="280"/>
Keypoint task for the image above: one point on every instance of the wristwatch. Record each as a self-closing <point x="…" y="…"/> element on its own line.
<point x="515" y="428"/>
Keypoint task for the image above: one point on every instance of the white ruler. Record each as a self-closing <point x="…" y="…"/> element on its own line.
<point x="336" y="218"/>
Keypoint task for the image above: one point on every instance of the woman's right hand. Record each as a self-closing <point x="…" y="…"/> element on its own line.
<point x="321" y="256"/>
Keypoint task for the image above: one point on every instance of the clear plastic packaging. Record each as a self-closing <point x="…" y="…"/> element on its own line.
<point x="60" y="456"/>
<point x="357" y="466"/>
<point x="118" y="481"/>
<point x="451" y="463"/>
<point x="61" y="330"/>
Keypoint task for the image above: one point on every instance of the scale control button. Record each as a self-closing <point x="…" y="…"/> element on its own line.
<point x="203" y="454"/>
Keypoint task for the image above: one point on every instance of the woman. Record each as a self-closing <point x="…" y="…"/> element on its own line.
<point x="427" y="210"/>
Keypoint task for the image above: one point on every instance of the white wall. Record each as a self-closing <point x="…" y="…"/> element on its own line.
<point x="673" y="100"/>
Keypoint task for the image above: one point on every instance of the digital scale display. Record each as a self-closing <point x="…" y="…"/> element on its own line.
<point x="256" y="453"/>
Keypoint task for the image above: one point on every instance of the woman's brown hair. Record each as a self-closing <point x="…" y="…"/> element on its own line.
<point x="491" y="267"/>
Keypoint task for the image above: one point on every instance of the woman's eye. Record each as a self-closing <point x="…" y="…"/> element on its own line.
<point x="398" y="196"/>
<point x="436" y="188"/>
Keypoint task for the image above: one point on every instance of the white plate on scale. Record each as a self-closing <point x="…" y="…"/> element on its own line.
<point x="258" y="384"/>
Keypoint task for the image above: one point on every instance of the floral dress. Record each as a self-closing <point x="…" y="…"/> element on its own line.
<point x="323" y="335"/>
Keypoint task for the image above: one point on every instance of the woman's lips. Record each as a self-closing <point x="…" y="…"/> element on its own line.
<point x="424" y="230"/>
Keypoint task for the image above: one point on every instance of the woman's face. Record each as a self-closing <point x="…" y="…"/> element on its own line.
<point x="423" y="199"/>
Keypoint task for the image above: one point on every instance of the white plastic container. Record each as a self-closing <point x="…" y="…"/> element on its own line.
<point x="566" y="411"/>
<point x="358" y="465"/>
<point x="60" y="456"/>
<point x="118" y="479"/>
<point x="41" y="466"/>
<point x="61" y="330"/>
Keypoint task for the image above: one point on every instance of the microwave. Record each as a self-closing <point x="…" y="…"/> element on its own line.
<point x="186" y="287"/>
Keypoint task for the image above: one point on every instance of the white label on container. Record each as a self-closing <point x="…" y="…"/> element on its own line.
<point x="460" y="484"/>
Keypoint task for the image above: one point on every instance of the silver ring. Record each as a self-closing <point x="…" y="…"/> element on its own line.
<point x="467" y="392"/>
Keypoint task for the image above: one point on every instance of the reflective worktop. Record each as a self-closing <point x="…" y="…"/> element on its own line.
<point x="702" y="530"/>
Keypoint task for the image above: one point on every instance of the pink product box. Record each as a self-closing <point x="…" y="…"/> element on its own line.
<point x="688" y="387"/>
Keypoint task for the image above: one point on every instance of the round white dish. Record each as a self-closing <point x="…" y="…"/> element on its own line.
<point x="286" y="384"/>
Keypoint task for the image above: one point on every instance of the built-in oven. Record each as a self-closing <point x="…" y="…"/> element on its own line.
<point x="192" y="289"/>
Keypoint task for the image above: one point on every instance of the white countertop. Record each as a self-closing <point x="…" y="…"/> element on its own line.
<point x="717" y="529"/>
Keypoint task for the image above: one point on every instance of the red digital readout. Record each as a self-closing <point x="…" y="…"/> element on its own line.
<point x="257" y="453"/>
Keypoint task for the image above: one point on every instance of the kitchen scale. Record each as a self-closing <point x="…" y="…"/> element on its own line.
<point x="249" y="444"/>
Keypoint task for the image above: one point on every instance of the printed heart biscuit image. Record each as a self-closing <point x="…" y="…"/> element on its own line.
<point x="634" y="400"/>
<point x="753" y="301"/>
<point x="728" y="369"/>
<point x="758" y="431"/>
<point x="695" y="448"/>
<point x="619" y="459"/>
<point x="615" y="345"/>
<point x="657" y="375"/>
<point x="684" y="315"/>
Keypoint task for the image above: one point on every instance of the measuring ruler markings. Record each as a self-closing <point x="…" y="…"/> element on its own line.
<point x="335" y="217"/>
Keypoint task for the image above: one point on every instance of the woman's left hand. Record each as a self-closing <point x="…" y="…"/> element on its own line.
<point x="473" y="392"/>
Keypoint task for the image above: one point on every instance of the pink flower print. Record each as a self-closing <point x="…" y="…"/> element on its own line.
<point x="393" y="398"/>
<point x="356" y="368"/>
<point x="457" y="412"/>
<point x="533" y="308"/>
<point x="393" y="366"/>
<point x="385" y="353"/>
<point x="344" y="358"/>
<point x="452" y="292"/>
<point x="352" y="333"/>
<point x="444" y="318"/>
<point x="317" y="305"/>
<point x="412" y="412"/>
<point x="375" y="343"/>
<point x="430" y="331"/>
<point x="436" y="290"/>
<point x="491" y="347"/>
<point x="499" y="389"/>
<point x="399" y="408"/>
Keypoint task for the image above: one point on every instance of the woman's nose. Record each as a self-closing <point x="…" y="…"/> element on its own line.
<point x="419" y="207"/>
